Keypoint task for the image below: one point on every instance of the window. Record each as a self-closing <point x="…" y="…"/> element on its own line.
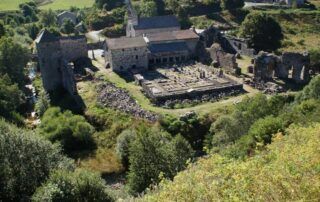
<point x="151" y="61"/>
<point x="171" y="59"/>
<point x="177" y="59"/>
<point x="137" y="57"/>
<point x="165" y="60"/>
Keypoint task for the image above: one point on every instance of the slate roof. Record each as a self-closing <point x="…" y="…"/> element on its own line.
<point x="68" y="13"/>
<point x="125" y="42"/>
<point x="45" y="36"/>
<point x="168" y="47"/>
<point x="157" y="22"/>
<point x="173" y="35"/>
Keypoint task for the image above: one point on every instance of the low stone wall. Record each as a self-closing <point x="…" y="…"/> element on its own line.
<point x="200" y="95"/>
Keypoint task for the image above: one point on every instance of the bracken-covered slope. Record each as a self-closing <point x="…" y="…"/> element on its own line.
<point x="288" y="171"/>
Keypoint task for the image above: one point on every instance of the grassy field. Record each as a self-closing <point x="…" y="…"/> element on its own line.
<point x="7" y="5"/>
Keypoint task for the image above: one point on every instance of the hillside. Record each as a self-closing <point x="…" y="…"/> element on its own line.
<point x="289" y="171"/>
<point x="9" y="5"/>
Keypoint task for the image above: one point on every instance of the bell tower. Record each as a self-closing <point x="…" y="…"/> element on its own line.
<point x="132" y="14"/>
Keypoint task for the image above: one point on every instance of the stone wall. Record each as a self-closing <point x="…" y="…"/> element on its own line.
<point x="126" y="59"/>
<point x="49" y="58"/>
<point x="74" y="48"/>
<point x="300" y="65"/>
<point x="224" y="60"/>
<point x="241" y="46"/>
<point x="268" y="66"/>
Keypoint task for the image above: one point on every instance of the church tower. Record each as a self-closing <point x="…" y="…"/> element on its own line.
<point x="133" y="19"/>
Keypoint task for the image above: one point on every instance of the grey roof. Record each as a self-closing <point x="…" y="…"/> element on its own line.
<point x="126" y="42"/>
<point x="173" y="35"/>
<point x="45" y="36"/>
<point x="168" y="47"/>
<point x="66" y="13"/>
<point x="158" y="22"/>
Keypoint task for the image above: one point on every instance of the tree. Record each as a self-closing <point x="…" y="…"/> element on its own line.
<point x="80" y="185"/>
<point x="25" y="162"/>
<point x="13" y="59"/>
<point x="2" y="29"/>
<point x="73" y="132"/>
<point x="48" y="18"/>
<point x="10" y="97"/>
<point x="67" y="27"/>
<point x="43" y="103"/>
<point x="263" y="129"/>
<point x="152" y="153"/>
<point x="311" y="91"/>
<point x="108" y="4"/>
<point x="232" y="4"/>
<point x="148" y="8"/>
<point x="263" y="32"/>
<point x="33" y="31"/>
<point x="122" y="146"/>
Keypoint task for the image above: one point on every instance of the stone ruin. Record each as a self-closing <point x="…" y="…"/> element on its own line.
<point x="214" y="48"/>
<point x="222" y="59"/>
<point x="289" y="65"/>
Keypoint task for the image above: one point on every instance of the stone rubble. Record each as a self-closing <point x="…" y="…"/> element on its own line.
<point x="116" y="98"/>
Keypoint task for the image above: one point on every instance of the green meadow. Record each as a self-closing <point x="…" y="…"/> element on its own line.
<point x="8" y="5"/>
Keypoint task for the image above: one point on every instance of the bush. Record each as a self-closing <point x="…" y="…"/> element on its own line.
<point x="72" y="131"/>
<point x="287" y="171"/>
<point x="122" y="146"/>
<point x="25" y="162"/>
<point x="80" y="185"/>
<point x="311" y="91"/>
<point x="263" y="129"/>
<point x="153" y="153"/>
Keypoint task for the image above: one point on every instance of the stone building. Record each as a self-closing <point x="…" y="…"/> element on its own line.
<point x="139" y="26"/>
<point x="150" y="41"/>
<point x="127" y="53"/>
<point x="66" y="15"/>
<point x="56" y="56"/>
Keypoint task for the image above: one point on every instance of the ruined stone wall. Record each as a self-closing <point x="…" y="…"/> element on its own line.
<point x="225" y="60"/>
<point x="300" y="65"/>
<point x="125" y="59"/>
<point x="267" y="66"/>
<point x="74" y="48"/>
<point x="241" y="46"/>
<point x="68" y="80"/>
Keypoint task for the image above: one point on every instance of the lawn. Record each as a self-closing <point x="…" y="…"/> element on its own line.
<point x="66" y="4"/>
<point x="8" y="5"/>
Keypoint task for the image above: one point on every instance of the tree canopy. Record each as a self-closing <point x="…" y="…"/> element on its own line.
<point x="25" y="162"/>
<point x="263" y="32"/>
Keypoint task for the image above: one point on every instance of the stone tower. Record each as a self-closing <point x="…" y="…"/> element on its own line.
<point x="133" y="19"/>
<point x="49" y="54"/>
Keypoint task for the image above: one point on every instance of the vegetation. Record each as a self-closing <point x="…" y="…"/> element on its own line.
<point x="263" y="32"/>
<point x="287" y="171"/>
<point x="71" y="131"/>
<point x="80" y="185"/>
<point x="154" y="153"/>
<point x="25" y="162"/>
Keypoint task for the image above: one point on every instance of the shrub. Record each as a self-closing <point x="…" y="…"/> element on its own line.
<point x="122" y="146"/>
<point x="72" y="131"/>
<point x="80" y="185"/>
<point x="153" y="153"/>
<point x="25" y="162"/>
